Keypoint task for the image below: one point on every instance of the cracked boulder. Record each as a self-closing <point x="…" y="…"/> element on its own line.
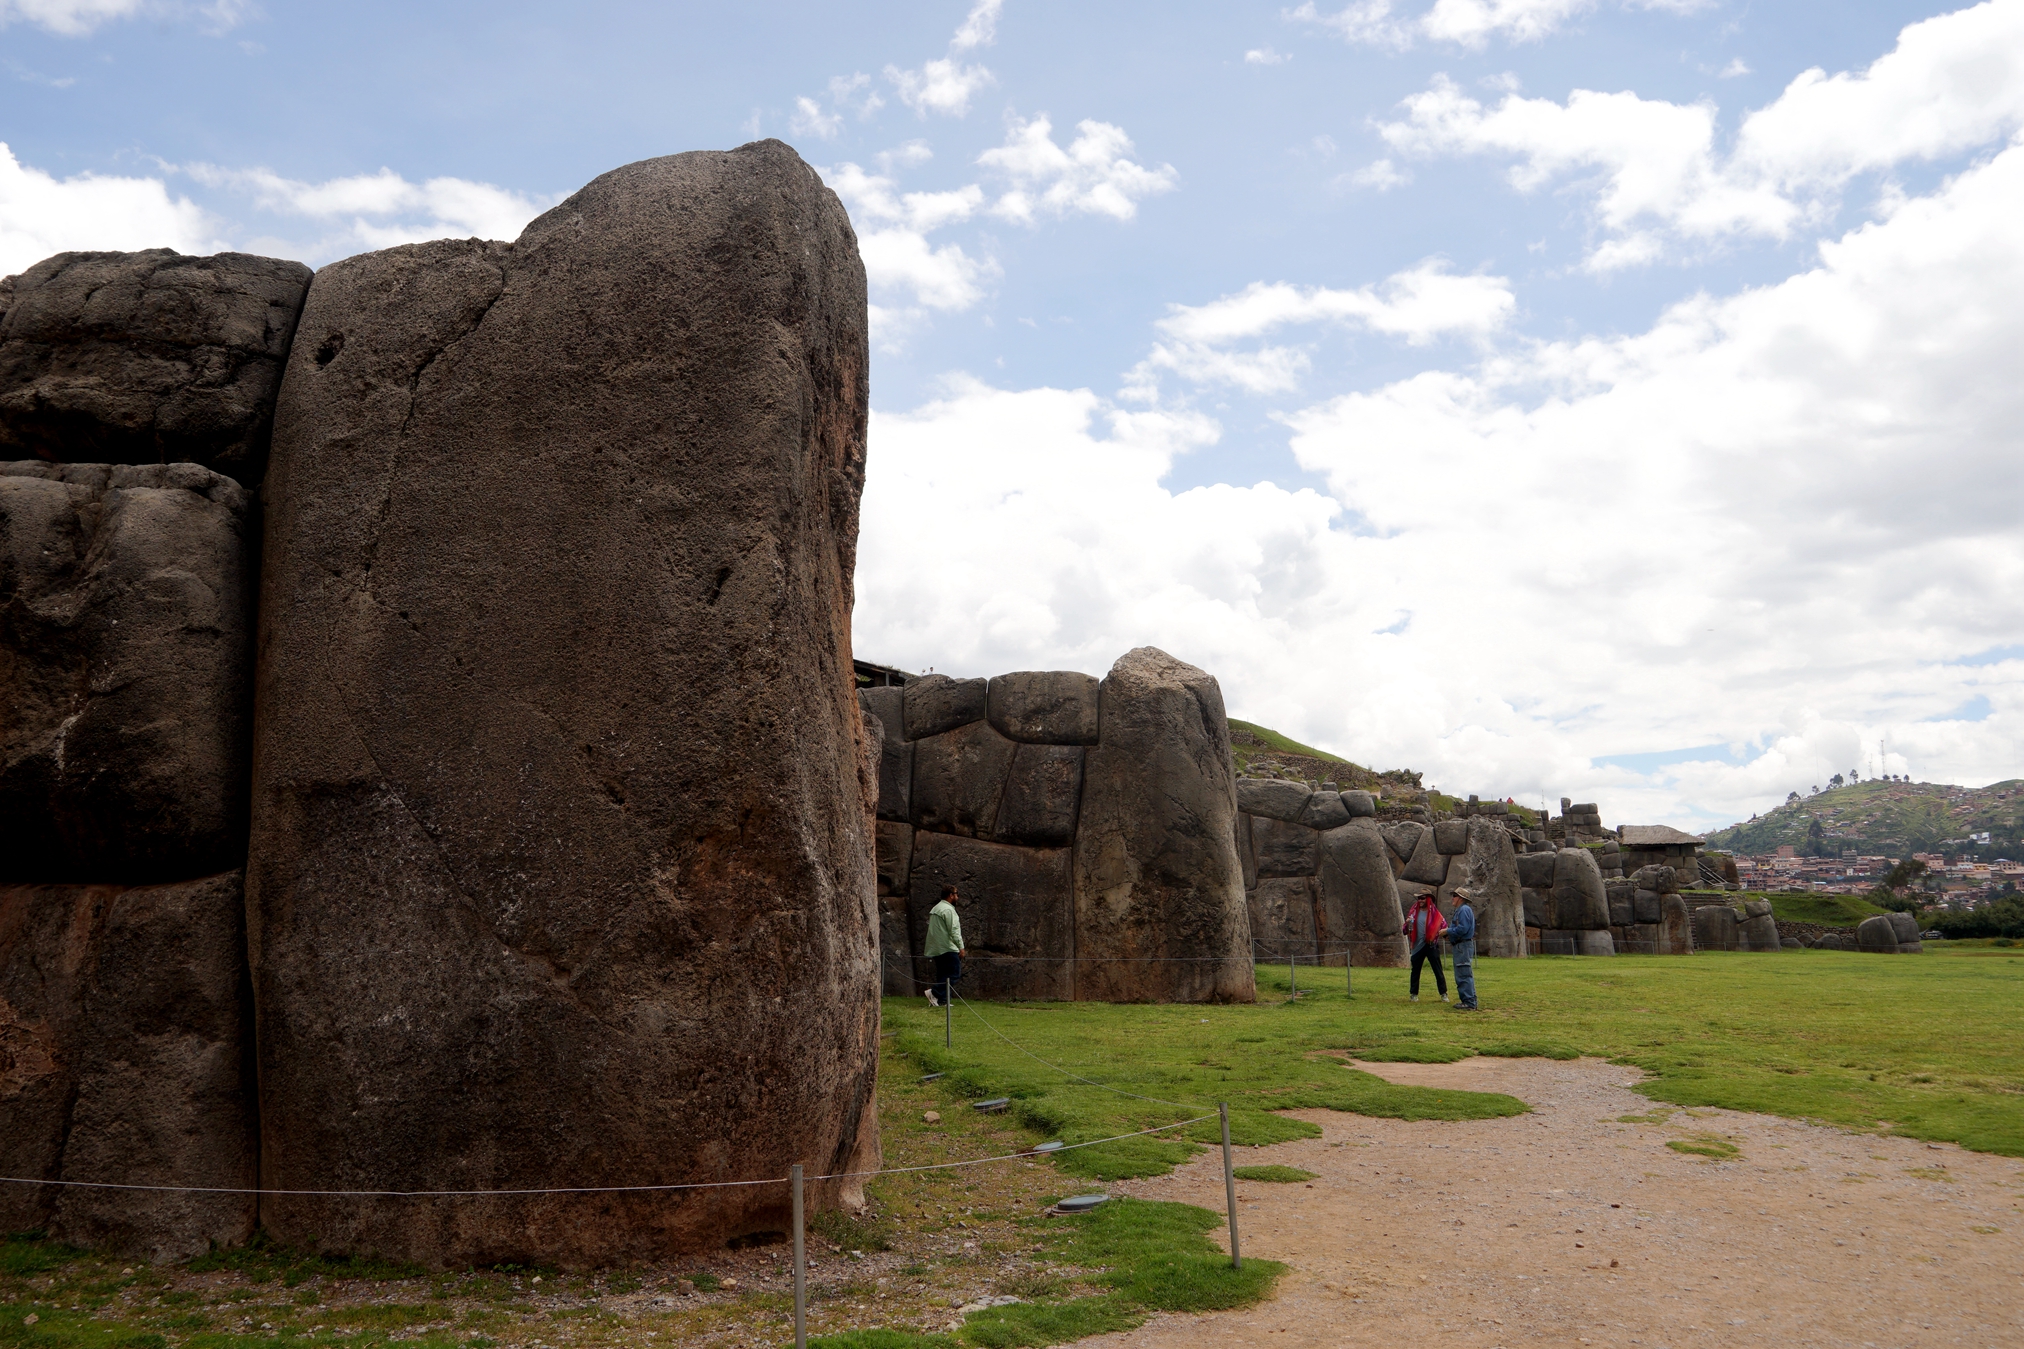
<point x="560" y="871"/>
<point x="125" y="641"/>
<point x="1157" y="877"/>
<point x="123" y="1059"/>
<point x="146" y="358"/>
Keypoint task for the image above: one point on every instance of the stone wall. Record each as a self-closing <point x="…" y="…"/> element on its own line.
<point x="1086" y="824"/>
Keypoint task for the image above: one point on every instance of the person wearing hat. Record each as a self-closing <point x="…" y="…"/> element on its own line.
<point x="1462" y="946"/>
<point x="1423" y="928"/>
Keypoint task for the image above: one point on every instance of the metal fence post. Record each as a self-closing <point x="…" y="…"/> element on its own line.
<point x="948" y="1013"/>
<point x="1292" y="978"/>
<point x="1229" y="1186"/>
<point x="800" y="1269"/>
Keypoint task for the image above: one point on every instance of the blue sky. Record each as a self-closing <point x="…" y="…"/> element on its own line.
<point x="1536" y="392"/>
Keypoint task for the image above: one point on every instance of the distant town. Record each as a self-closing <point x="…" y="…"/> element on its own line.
<point x="1962" y="880"/>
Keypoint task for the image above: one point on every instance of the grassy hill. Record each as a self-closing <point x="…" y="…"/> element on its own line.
<point x="1252" y="744"/>
<point x="1891" y="818"/>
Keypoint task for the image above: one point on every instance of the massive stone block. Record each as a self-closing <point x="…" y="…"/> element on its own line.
<point x="1535" y="870"/>
<point x="1715" y="928"/>
<point x="959" y="777"/>
<point x="560" y="871"/>
<point x="1284" y="849"/>
<point x="125" y="641"/>
<point x="1282" y="918"/>
<point x="1579" y="902"/>
<point x="1676" y="934"/>
<point x="1043" y="790"/>
<point x="1875" y="933"/>
<point x="1451" y="837"/>
<point x="1055" y="707"/>
<point x="1247" y="852"/>
<point x="1325" y="810"/>
<point x="936" y="703"/>
<point x="1488" y="870"/>
<point x="895" y="855"/>
<point x="1429" y="865"/>
<point x="1156" y="870"/>
<point x="896" y="962"/>
<point x="1903" y="926"/>
<point x="896" y="755"/>
<point x="1403" y="839"/>
<point x="1272" y="798"/>
<point x="146" y="358"/>
<point x="1018" y="912"/>
<point x="1359" y="896"/>
<point x="122" y="1059"/>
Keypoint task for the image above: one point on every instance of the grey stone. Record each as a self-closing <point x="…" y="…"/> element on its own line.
<point x="1621" y="912"/>
<point x="1360" y="805"/>
<point x="1535" y="869"/>
<point x="1488" y="870"/>
<point x="1647" y="907"/>
<point x="1791" y="944"/>
<point x="1156" y="870"/>
<point x="1876" y="933"/>
<point x="1658" y="879"/>
<point x="895" y="856"/>
<point x="1538" y="911"/>
<point x="1557" y="942"/>
<point x="1756" y="908"/>
<point x="1325" y="810"/>
<point x="126" y="631"/>
<point x="896" y="756"/>
<point x="1043" y="791"/>
<point x="1716" y="928"/>
<point x="557" y="747"/>
<point x="1903" y="926"/>
<point x="123" y="1058"/>
<point x="1018" y="911"/>
<point x="1451" y="837"/>
<point x="1282" y="917"/>
<point x="1595" y="942"/>
<point x="1676" y="934"/>
<point x="1053" y="707"/>
<point x="1579" y="902"/>
<point x="896" y="962"/>
<point x="935" y="704"/>
<point x="1402" y="838"/>
<point x="1285" y="849"/>
<point x="1247" y="854"/>
<point x="146" y="358"/>
<point x="884" y="701"/>
<point x="959" y="778"/>
<point x="1428" y="866"/>
<point x="1646" y="939"/>
<point x="1758" y="932"/>
<point x="1273" y="798"/>
<point x="1359" y="900"/>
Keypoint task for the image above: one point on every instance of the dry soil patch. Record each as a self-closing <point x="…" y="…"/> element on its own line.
<point x="1567" y="1226"/>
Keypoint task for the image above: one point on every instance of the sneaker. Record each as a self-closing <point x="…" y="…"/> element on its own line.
<point x="1416" y="997"/>
<point x="1463" y="1007"/>
<point x="1444" y="997"/>
<point x="928" y="993"/>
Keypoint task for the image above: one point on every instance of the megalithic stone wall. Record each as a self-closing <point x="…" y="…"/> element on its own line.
<point x="560" y="873"/>
<point x="1087" y="826"/>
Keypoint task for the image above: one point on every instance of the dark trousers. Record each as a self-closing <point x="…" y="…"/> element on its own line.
<point x="948" y="969"/>
<point x="1428" y="952"/>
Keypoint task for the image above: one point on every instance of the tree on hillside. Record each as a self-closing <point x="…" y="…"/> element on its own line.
<point x="1835" y="781"/>
<point x="1816" y="839"/>
<point x="1790" y="797"/>
<point x="1905" y="873"/>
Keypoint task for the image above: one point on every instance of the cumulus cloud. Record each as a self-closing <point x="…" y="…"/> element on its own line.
<point x="1953" y="83"/>
<point x="1380" y="175"/>
<point x="908" y="274"/>
<point x="1265" y="56"/>
<point x="1092" y="175"/>
<point x="41" y="214"/>
<point x="379" y="210"/>
<point x="1464" y="23"/>
<point x="809" y="119"/>
<point x="1421" y="304"/>
<point x="946" y="84"/>
<point x="77" y="18"/>
<point x="1781" y="521"/>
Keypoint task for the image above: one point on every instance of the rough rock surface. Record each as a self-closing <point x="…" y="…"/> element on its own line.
<point x="1359" y="895"/>
<point x="1325" y="810"/>
<point x="1874" y="933"/>
<point x="1272" y="798"/>
<point x="1906" y="929"/>
<point x="1535" y="869"/>
<point x="1676" y="937"/>
<point x="936" y="703"/>
<point x="125" y="639"/>
<point x="557" y="770"/>
<point x="1156" y="869"/>
<point x="895" y="852"/>
<point x="1451" y="837"/>
<point x="1053" y="707"/>
<point x="1716" y="928"/>
<point x="1043" y="789"/>
<point x="122" y="1058"/>
<point x="1645" y="906"/>
<point x="1402" y="838"/>
<point x="959" y="777"/>
<point x="1282" y="917"/>
<point x="1429" y="866"/>
<point x="146" y="358"/>
<point x="1018" y="912"/>
<point x="1594" y="943"/>
<point x="1579" y="901"/>
<point x="1360" y="805"/>
<point x="896" y="756"/>
<point x="1488" y="870"/>
<point x="1284" y="849"/>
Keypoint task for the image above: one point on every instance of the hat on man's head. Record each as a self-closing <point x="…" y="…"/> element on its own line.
<point x="1461" y="893"/>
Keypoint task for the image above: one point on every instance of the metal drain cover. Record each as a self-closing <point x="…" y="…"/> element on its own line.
<point x="1081" y="1203"/>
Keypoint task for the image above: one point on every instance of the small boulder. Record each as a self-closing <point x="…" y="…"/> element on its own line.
<point x="1876" y="933"/>
<point x="1324" y="810"/>
<point x="1360" y="805"/>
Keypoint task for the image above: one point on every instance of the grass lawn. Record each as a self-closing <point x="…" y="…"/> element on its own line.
<point x="1827" y="910"/>
<point x="1924" y="1046"/>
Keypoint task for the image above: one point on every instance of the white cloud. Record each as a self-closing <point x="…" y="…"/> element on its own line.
<point x="379" y="210"/>
<point x="1464" y="23"/>
<point x="1092" y="176"/>
<point x="810" y="120"/>
<point x="946" y="85"/>
<point x="1954" y="83"/>
<point x="1380" y="175"/>
<point x="1736" y="68"/>
<point x="1265" y="56"/>
<point x="76" y="18"/>
<point x="41" y="214"/>
<point x="1420" y="305"/>
<point x="908" y="275"/>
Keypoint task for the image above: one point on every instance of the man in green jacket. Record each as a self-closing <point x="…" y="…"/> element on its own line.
<point x="945" y="945"/>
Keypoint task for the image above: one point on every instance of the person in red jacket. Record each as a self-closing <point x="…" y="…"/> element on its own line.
<point x="1423" y="928"/>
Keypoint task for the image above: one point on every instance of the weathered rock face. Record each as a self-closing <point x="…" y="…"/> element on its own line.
<point x="959" y="776"/>
<point x="1018" y="911"/>
<point x="146" y="358"/>
<point x="1282" y="917"/>
<point x="934" y="704"/>
<point x="1488" y="870"/>
<point x="125" y="641"/>
<point x="1272" y="798"/>
<point x="557" y="789"/>
<point x="1359" y="896"/>
<point x="1429" y="865"/>
<point x="896" y="755"/>
<point x="1156" y="869"/>
<point x="1043" y="794"/>
<point x="1579" y="903"/>
<point x="1875" y="933"/>
<point x="1284" y="849"/>
<point x="122" y="1059"/>
<point x="1676" y="937"/>
<point x="1715" y="928"/>
<point x="1052" y="707"/>
<point x="1906" y="929"/>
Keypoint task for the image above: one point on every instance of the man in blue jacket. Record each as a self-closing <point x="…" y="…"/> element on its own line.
<point x="1462" y="945"/>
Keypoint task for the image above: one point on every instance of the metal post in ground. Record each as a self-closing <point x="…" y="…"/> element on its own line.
<point x="1348" y="973"/>
<point x="1292" y="979"/>
<point x="948" y="1012"/>
<point x="800" y="1269"/>
<point x="1230" y="1187"/>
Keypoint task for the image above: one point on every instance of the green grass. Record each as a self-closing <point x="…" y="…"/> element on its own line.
<point x="1827" y="910"/>
<point x="1285" y="744"/>
<point x="1925" y="1045"/>
<point x="261" y="1260"/>
<point x="1277" y="1175"/>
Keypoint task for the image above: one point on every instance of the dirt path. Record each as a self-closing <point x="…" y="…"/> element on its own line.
<point x="1565" y="1227"/>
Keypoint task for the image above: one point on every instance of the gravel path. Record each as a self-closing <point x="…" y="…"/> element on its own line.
<point x="1568" y="1227"/>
